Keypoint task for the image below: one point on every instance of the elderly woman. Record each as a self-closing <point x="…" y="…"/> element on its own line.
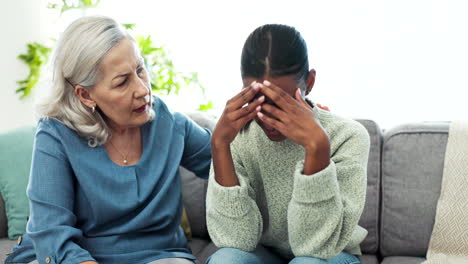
<point x="105" y="184"/>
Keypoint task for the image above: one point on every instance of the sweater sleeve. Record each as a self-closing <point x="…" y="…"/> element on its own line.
<point x="51" y="225"/>
<point x="325" y="207"/>
<point x="233" y="217"/>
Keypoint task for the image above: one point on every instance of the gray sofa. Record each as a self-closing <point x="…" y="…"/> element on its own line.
<point x="404" y="177"/>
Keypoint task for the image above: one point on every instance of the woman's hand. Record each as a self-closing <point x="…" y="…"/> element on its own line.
<point x="296" y="120"/>
<point x="323" y="107"/>
<point x="236" y="114"/>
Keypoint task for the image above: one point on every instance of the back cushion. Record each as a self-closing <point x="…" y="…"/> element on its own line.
<point x="194" y="188"/>
<point x="412" y="167"/>
<point x="370" y="217"/>
<point x="3" y="219"/>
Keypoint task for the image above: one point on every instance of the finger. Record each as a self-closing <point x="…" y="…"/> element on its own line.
<point x="246" y="110"/>
<point x="276" y="124"/>
<point x="275" y="112"/>
<point x="277" y="95"/>
<point x="244" y="96"/>
<point x="324" y="107"/>
<point x="243" y="120"/>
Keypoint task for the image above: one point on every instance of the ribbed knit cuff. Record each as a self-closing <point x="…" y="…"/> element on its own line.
<point x="317" y="187"/>
<point x="230" y="201"/>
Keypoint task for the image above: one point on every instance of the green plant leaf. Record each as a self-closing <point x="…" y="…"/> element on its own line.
<point x="129" y="26"/>
<point x="37" y="55"/>
<point x="206" y="107"/>
<point x="165" y="79"/>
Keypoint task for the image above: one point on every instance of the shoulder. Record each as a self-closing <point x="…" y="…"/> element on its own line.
<point x="169" y="118"/>
<point x="55" y="129"/>
<point x="341" y="129"/>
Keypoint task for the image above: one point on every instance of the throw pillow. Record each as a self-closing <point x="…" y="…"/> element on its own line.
<point x="184" y="223"/>
<point x="15" y="159"/>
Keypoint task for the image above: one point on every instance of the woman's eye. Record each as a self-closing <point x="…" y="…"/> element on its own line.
<point x="122" y="83"/>
<point x="140" y="71"/>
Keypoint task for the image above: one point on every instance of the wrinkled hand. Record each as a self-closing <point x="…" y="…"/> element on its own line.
<point x="236" y="114"/>
<point x="293" y="118"/>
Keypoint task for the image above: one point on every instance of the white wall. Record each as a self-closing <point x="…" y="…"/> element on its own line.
<point x="22" y="21"/>
<point x="391" y="61"/>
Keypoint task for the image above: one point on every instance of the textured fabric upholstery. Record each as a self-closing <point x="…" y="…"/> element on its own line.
<point x="370" y="216"/>
<point x="403" y="260"/>
<point x="194" y="188"/>
<point x="368" y="259"/>
<point x="6" y="246"/>
<point x="412" y="166"/>
<point x="3" y="219"/>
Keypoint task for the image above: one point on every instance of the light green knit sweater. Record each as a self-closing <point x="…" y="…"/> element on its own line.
<point x="277" y="206"/>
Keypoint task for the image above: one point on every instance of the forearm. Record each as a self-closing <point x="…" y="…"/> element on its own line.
<point x="224" y="171"/>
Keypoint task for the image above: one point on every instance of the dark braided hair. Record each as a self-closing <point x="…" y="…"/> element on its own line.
<point x="275" y="50"/>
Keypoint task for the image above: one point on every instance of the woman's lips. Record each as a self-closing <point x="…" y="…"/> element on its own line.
<point x="140" y="109"/>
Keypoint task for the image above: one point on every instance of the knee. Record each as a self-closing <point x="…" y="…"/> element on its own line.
<point x="307" y="260"/>
<point x="233" y="256"/>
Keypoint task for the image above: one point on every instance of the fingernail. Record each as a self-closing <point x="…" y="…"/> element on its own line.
<point x="254" y="82"/>
<point x="267" y="83"/>
<point x="261" y="98"/>
<point x="258" y="108"/>
<point x="260" y="114"/>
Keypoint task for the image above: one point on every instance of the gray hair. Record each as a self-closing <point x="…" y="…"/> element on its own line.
<point x="76" y="60"/>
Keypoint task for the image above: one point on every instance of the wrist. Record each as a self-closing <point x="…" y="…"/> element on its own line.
<point x="317" y="158"/>
<point x="219" y="144"/>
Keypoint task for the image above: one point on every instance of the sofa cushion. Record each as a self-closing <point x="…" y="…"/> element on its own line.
<point x="194" y="188"/>
<point x="193" y="196"/>
<point x="370" y="216"/>
<point x="6" y="247"/>
<point x="412" y="167"/>
<point x="369" y="259"/>
<point x="196" y="245"/>
<point x="15" y="159"/>
<point x="402" y="260"/>
<point x="209" y="250"/>
<point x="3" y="219"/>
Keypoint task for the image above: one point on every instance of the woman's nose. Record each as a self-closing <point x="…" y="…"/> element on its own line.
<point x="142" y="89"/>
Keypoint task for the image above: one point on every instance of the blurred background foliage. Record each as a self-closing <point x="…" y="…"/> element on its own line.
<point x="165" y="78"/>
